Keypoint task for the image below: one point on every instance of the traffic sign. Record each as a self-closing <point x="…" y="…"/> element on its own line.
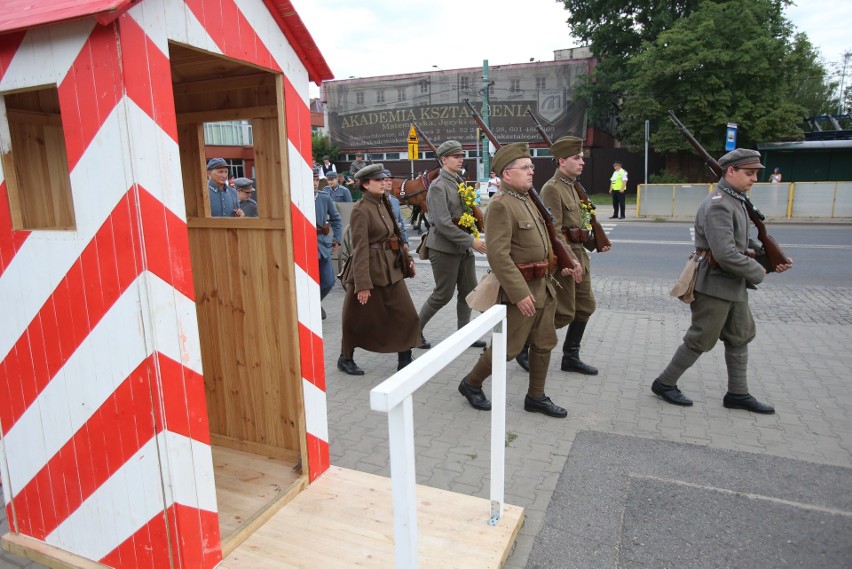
<point x="412" y="135"/>
<point x="412" y="150"/>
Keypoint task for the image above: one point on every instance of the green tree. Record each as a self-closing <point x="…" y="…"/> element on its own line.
<point x="616" y="30"/>
<point x="321" y="145"/>
<point x="728" y="61"/>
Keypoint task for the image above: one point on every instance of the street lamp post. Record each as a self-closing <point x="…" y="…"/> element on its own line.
<point x="486" y="112"/>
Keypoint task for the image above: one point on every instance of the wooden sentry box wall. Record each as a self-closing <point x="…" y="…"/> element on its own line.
<point x="109" y="421"/>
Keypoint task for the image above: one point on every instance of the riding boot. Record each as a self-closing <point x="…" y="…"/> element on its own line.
<point x="571" y="350"/>
<point x="523" y="358"/>
<point x="426" y="313"/>
<point x="348" y="365"/>
<point x="404" y="358"/>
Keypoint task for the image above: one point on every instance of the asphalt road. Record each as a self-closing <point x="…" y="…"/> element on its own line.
<point x="822" y="254"/>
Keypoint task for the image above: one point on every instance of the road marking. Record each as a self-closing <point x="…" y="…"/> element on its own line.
<point x="750" y="496"/>
<point x="784" y="245"/>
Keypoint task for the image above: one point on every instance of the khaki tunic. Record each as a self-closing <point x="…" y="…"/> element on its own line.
<point x="573" y="301"/>
<point x="517" y="234"/>
<point x="388" y="322"/>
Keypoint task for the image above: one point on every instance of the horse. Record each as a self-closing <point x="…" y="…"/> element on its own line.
<point x="413" y="191"/>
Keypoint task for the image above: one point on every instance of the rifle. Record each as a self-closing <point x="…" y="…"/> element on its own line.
<point x="601" y="240"/>
<point x="564" y="260"/>
<point x="773" y="251"/>
<point x="477" y="213"/>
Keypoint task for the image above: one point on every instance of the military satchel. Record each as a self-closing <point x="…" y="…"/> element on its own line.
<point x="486" y="293"/>
<point x="422" y="249"/>
<point x="684" y="286"/>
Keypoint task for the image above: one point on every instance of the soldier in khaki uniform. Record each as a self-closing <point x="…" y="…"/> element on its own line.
<point x="575" y="303"/>
<point x="720" y="310"/>
<point x="518" y="252"/>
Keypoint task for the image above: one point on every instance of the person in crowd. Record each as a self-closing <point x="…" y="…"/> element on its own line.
<point x="493" y="184"/>
<point x="326" y="167"/>
<point x="775" y="177"/>
<point x="378" y="313"/>
<point x="245" y="191"/>
<point x="329" y="237"/>
<point x="732" y="263"/>
<point x="519" y="252"/>
<point x="617" y="187"/>
<point x="337" y="192"/>
<point x="450" y="245"/>
<point x="395" y="206"/>
<point x="575" y="302"/>
<point x="357" y="164"/>
<point x="224" y="201"/>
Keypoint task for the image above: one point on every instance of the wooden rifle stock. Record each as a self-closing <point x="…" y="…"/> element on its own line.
<point x="477" y="213"/>
<point x="563" y="257"/>
<point x="601" y="240"/>
<point x="773" y="251"/>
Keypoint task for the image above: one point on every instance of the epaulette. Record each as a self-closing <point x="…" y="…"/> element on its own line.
<point x="497" y="198"/>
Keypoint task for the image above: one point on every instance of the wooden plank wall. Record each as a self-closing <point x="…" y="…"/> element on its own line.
<point x="242" y="268"/>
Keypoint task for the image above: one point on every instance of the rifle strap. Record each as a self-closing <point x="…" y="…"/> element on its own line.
<point x="753" y="211"/>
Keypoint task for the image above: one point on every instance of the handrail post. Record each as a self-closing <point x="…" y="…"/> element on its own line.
<point x="498" y="421"/>
<point x="403" y="483"/>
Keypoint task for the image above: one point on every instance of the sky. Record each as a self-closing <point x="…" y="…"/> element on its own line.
<point x="387" y="37"/>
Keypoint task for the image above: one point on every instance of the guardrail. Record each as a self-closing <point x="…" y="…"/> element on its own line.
<point x="394" y="397"/>
<point x="799" y="200"/>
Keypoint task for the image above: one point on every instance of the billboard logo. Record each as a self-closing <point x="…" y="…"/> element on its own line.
<point x="551" y="104"/>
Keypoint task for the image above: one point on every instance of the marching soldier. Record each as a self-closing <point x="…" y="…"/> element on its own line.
<point x="575" y="303"/>
<point x="519" y="251"/>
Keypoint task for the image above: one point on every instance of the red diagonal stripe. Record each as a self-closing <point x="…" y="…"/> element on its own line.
<point x="90" y="91"/>
<point x="76" y="305"/>
<point x="10" y="240"/>
<point x="149" y="75"/>
<point x="298" y="117"/>
<point x="318" y="456"/>
<point x="305" y="253"/>
<point x="9" y="44"/>
<point x="166" y="239"/>
<point x="232" y="33"/>
<point x="194" y="537"/>
<point x="312" y="357"/>
<point x="121" y="426"/>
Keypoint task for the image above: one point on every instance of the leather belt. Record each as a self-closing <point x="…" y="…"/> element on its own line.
<point x="576" y="235"/>
<point x="391" y="243"/>
<point x="324" y="229"/>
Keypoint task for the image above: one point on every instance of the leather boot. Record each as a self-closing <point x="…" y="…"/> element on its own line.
<point x="523" y="358"/>
<point x="571" y="350"/>
<point x="404" y="358"/>
<point x="349" y="366"/>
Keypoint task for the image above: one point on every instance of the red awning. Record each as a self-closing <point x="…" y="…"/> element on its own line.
<point x="17" y="15"/>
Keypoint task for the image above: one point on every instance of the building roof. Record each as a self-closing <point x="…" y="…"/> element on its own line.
<point x="19" y="15"/>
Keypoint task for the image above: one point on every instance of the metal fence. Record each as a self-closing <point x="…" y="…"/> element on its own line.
<point x="799" y="200"/>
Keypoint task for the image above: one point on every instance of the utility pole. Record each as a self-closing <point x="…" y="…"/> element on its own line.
<point x="486" y="112"/>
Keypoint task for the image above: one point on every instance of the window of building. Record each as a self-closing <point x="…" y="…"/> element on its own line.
<point x="464" y="83"/>
<point x="424" y="86"/>
<point x="35" y="161"/>
<point x="400" y="94"/>
<point x="359" y="98"/>
<point x="541" y="82"/>
<point x="380" y="96"/>
<point x="514" y="85"/>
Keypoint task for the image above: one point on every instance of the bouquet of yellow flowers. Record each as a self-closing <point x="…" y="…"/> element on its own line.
<point x="468" y="198"/>
<point x="586" y="211"/>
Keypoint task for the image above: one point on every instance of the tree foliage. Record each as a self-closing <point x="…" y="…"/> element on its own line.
<point x="712" y="61"/>
<point x="321" y="145"/>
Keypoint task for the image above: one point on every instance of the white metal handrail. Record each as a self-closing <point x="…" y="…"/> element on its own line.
<point x="394" y="397"/>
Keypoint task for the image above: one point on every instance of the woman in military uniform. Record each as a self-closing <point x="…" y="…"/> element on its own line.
<point x="378" y="314"/>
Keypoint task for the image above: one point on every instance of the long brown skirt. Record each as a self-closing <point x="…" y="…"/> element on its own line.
<point x="387" y="323"/>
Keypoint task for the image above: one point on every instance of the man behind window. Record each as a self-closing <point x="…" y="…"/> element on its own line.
<point x="224" y="201"/>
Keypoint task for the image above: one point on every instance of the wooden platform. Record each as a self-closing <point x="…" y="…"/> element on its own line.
<point x="250" y="489"/>
<point x="345" y="520"/>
